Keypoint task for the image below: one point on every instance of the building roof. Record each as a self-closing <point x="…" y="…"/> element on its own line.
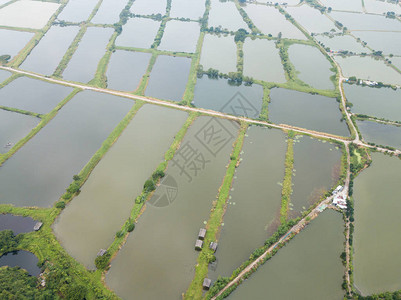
<point x="202" y="233"/>
<point x="213" y="246"/>
<point x="207" y="283"/>
<point x="37" y="226"/>
<point x="198" y="244"/>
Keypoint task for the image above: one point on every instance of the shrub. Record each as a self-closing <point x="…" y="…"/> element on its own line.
<point x="101" y="262"/>
<point x="131" y="227"/>
<point x="149" y="185"/>
<point x="60" y="204"/>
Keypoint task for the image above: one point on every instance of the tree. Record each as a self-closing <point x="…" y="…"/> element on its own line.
<point x="8" y="241"/>
<point x="240" y="35"/>
<point x="149" y="185"/>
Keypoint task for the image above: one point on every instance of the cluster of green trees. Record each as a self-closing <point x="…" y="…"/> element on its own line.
<point x="8" y="241"/>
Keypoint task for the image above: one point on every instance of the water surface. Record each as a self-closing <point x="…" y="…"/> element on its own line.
<point x="312" y="65"/>
<point x="262" y="61"/>
<point x="149" y="7"/>
<point x="13" y="127"/>
<point x="377" y="266"/>
<point x="388" y="42"/>
<point x="180" y="36"/>
<point x="376" y="102"/>
<point x="168" y="78"/>
<point x="23" y="259"/>
<point x="17" y="224"/>
<point x="138" y="32"/>
<point x="226" y="15"/>
<point x="304" y="110"/>
<point x="220" y="53"/>
<point x="109" y="12"/>
<point x="110" y="192"/>
<point x="154" y="263"/>
<point x="317" y="167"/>
<point x="311" y="19"/>
<point x="46" y="56"/>
<point x="219" y="95"/>
<point x="33" y="95"/>
<point x="77" y="10"/>
<point x="293" y="273"/>
<point x="270" y="21"/>
<point x="380" y="134"/>
<point x="345" y="5"/>
<point x="39" y="173"/>
<point x="13" y="42"/>
<point x="125" y="69"/>
<point x="354" y="21"/>
<point x="342" y="43"/>
<point x="192" y="9"/>
<point x="83" y="64"/>
<point x="254" y="202"/>
<point x="4" y="75"/>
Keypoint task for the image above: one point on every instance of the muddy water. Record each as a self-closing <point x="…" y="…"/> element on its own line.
<point x="117" y="180"/>
<point x="158" y="260"/>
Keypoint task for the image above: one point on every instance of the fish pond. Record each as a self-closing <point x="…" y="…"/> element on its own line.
<point x="149" y="7"/>
<point x="377" y="220"/>
<point x="317" y="167"/>
<point x="312" y="66"/>
<point x="154" y="263"/>
<point x="293" y="273"/>
<point x="219" y="95"/>
<point x="109" y="12"/>
<point x="262" y="61"/>
<point x="23" y="259"/>
<point x="46" y="56"/>
<point x="33" y="95"/>
<point x="220" y="53"/>
<point x="13" y="127"/>
<point x="376" y="102"/>
<point x="342" y="43"/>
<point x="388" y="42"/>
<point x="83" y="64"/>
<point x="39" y="173"/>
<point x="168" y="78"/>
<point x="138" y="33"/>
<point x="180" y="36"/>
<point x="226" y="15"/>
<point x="17" y="224"/>
<point x="304" y="110"/>
<point x="125" y="69"/>
<point x="253" y="207"/>
<point x="13" y="42"/>
<point x="191" y="9"/>
<point x="110" y="192"/>
<point x="77" y="10"/>
<point x="380" y="134"/>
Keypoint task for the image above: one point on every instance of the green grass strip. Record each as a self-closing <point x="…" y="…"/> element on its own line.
<point x="195" y="289"/>
<point x="287" y="182"/>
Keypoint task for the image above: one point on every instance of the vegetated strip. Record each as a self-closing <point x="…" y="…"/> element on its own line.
<point x="21" y="111"/>
<point x="216" y="217"/>
<point x="45" y="119"/>
<point x="287" y="182"/>
<point x="103" y="261"/>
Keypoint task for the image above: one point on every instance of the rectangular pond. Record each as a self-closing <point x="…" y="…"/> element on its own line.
<point x="354" y="21"/>
<point x="388" y="42"/>
<point x="110" y="192"/>
<point x="33" y="95"/>
<point x="367" y="67"/>
<point x="312" y="66"/>
<point x="344" y="5"/>
<point x="380" y="134"/>
<point x="253" y="207"/>
<point x="311" y="19"/>
<point x="46" y="56"/>
<point x="342" y="43"/>
<point x="149" y="7"/>
<point x="109" y="12"/>
<point x="219" y="95"/>
<point x="158" y="260"/>
<point x="138" y="33"/>
<point x="4" y="75"/>
<point x="27" y="14"/>
<point x="220" y="53"/>
<point x="13" y="127"/>
<point x="180" y="36"/>
<point x="376" y="102"/>
<point x="168" y="78"/>
<point x="226" y="15"/>
<point x="77" y="10"/>
<point x="83" y="64"/>
<point x="377" y="265"/>
<point x="191" y="9"/>
<point x="17" y="224"/>
<point x="308" y="268"/>
<point x="125" y="70"/>
<point x="39" y="173"/>
<point x="262" y="61"/>
<point x="304" y="110"/>
<point x="317" y="168"/>
<point x="270" y="21"/>
<point x="13" y="41"/>
<point x="381" y="6"/>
